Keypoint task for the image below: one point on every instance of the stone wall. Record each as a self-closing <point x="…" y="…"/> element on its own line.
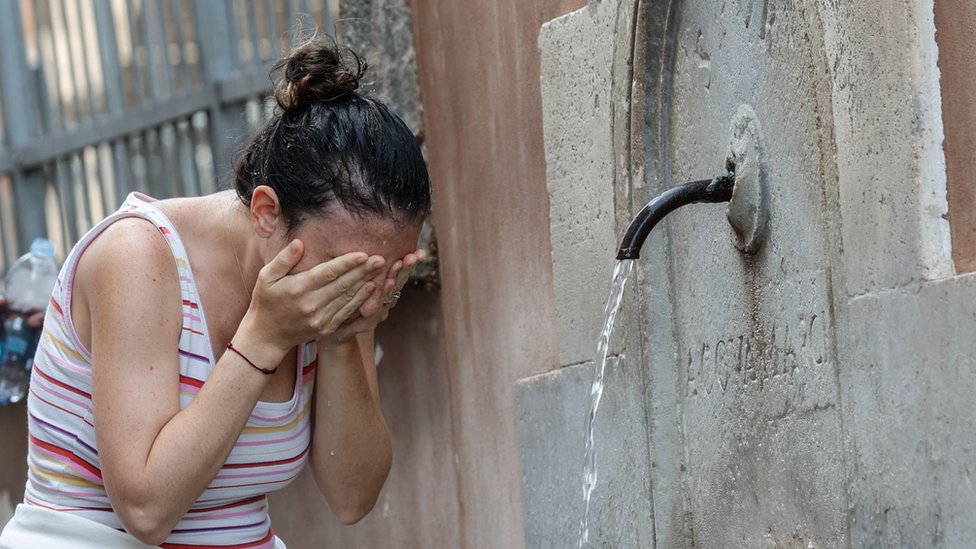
<point x="382" y="31"/>
<point x="811" y="393"/>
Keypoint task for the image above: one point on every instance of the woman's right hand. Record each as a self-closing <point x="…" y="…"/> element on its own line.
<point x="34" y="321"/>
<point x="288" y="309"/>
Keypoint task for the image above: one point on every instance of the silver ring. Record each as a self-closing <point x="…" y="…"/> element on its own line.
<point x="395" y="296"/>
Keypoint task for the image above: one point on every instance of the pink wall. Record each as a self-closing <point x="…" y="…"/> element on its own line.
<point x="479" y="78"/>
<point x="449" y="390"/>
<point x="955" y="20"/>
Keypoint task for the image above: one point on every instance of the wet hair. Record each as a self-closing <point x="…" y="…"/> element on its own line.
<point x="328" y="144"/>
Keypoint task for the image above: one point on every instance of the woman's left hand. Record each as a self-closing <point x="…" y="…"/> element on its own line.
<point x="396" y="279"/>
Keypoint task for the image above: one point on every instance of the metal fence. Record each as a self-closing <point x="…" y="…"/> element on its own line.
<point x="99" y="98"/>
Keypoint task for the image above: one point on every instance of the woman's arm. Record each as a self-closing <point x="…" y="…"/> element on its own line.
<point x="351" y="449"/>
<point x="157" y="459"/>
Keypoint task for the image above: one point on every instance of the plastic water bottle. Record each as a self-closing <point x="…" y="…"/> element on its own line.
<point x="29" y="284"/>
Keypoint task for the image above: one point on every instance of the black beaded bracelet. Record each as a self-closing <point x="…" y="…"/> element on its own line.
<point x="265" y="371"/>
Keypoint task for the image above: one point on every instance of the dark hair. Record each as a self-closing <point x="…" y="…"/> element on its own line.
<point x="326" y="143"/>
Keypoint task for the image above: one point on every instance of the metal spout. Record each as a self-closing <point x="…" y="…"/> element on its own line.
<point x="714" y="190"/>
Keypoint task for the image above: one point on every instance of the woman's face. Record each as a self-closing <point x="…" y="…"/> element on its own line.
<point x="339" y="232"/>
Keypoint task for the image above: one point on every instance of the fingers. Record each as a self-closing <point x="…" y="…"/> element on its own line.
<point x="284" y="262"/>
<point x="392" y="280"/>
<point x="337" y="297"/>
<point x="348" y="284"/>
<point x="373" y="304"/>
<point x="401" y="275"/>
<point x="35" y="321"/>
<point x="349" y="308"/>
<point x="376" y="307"/>
<point x="344" y="295"/>
<point x="410" y="262"/>
<point x="325" y="273"/>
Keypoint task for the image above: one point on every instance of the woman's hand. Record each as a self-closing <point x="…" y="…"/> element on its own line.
<point x="288" y="309"/>
<point x="34" y="321"/>
<point x="385" y="298"/>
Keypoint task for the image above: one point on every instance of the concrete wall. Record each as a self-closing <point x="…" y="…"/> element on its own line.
<point x="812" y="393"/>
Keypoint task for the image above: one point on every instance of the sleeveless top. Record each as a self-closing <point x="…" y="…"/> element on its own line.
<point x="63" y="463"/>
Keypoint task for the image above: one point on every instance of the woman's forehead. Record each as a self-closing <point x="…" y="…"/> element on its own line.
<point x="340" y="233"/>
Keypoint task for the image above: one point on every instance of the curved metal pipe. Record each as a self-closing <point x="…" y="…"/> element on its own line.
<point x="714" y="190"/>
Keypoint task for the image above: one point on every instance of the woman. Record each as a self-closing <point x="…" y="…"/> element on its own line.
<point x="197" y="351"/>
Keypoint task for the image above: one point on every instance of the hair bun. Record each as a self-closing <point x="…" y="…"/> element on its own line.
<point x="318" y="71"/>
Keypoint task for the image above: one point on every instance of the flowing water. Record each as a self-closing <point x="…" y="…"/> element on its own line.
<point x="620" y="275"/>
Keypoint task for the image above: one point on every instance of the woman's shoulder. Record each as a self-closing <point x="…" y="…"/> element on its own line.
<point x="125" y="277"/>
<point x="131" y="240"/>
<point x="131" y="250"/>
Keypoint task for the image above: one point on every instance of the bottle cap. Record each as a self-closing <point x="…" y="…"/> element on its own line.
<point x="42" y="247"/>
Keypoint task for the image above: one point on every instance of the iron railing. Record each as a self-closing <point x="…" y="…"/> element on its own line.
<point x="99" y="98"/>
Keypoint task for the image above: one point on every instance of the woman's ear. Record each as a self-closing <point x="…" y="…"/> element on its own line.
<point x="265" y="211"/>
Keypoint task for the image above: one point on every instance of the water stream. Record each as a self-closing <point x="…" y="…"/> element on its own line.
<point x="620" y="275"/>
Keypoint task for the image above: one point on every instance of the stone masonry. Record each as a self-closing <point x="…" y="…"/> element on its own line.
<point x="815" y="393"/>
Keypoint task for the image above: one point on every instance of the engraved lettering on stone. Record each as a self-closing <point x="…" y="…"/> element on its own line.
<point x="744" y="361"/>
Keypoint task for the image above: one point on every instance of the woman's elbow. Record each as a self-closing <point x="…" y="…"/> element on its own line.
<point x="152" y="538"/>
<point x="353" y="512"/>
<point x="145" y="524"/>
<point x="351" y="502"/>
<point x="144" y="516"/>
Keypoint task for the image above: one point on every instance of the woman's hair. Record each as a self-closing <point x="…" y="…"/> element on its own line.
<point x="329" y="144"/>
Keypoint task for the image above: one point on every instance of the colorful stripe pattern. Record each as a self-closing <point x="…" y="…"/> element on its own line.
<point x="63" y="466"/>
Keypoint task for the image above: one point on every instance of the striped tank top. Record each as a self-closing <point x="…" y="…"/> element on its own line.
<point x="63" y="464"/>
